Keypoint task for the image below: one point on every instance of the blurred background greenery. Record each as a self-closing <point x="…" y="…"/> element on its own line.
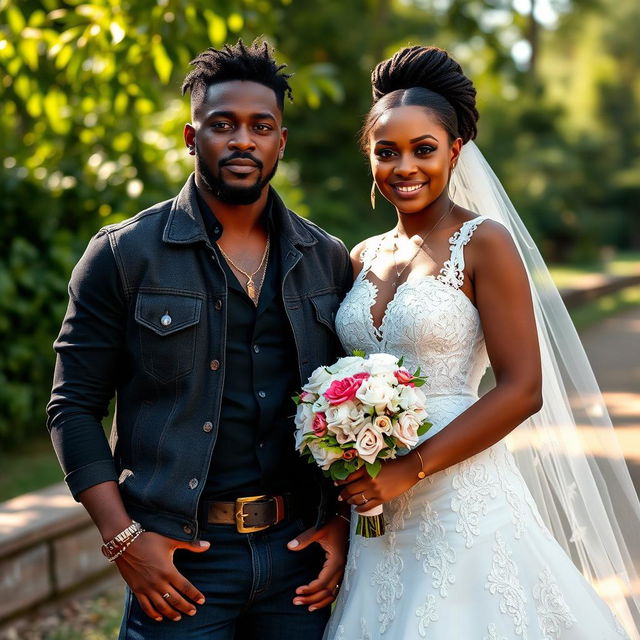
<point x="91" y="129"/>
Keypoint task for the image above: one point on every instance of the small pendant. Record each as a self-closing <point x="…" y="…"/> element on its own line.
<point x="251" y="291"/>
<point x="394" y="284"/>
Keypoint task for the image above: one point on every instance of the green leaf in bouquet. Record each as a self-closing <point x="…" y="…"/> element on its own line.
<point x="424" y="427"/>
<point x="358" y="353"/>
<point x="338" y="470"/>
<point x="373" y="469"/>
<point x="401" y="361"/>
<point x="418" y="382"/>
<point x="352" y="465"/>
<point x="296" y="399"/>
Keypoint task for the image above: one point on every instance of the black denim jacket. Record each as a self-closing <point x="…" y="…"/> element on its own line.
<point x="147" y="322"/>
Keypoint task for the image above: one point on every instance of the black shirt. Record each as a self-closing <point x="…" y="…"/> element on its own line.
<point x="254" y="452"/>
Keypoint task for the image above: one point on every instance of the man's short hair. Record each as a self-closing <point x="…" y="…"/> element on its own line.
<point x="237" y="62"/>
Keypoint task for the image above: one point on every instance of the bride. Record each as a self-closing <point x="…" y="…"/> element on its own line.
<point x="494" y="533"/>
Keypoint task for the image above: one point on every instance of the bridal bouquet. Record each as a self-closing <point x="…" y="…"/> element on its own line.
<point x="358" y="412"/>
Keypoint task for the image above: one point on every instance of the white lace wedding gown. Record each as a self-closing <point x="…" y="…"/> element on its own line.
<point x="466" y="555"/>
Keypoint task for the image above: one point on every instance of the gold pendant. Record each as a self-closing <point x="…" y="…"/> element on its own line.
<point x="251" y="291"/>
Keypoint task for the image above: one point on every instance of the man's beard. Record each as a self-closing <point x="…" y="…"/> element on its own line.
<point x="223" y="191"/>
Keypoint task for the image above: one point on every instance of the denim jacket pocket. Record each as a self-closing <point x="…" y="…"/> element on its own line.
<point x="169" y="325"/>
<point x="326" y="305"/>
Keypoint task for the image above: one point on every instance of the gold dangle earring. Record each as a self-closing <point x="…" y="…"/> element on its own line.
<point x="373" y="195"/>
<point x="451" y="195"/>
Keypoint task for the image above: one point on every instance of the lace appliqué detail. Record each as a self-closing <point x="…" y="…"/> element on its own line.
<point x="553" y="612"/>
<point x="386" y="577"/>
<point x="365" y="634"/>
<point x="498" y="454"/>
<point x="503" y="580"/>
<point x="493" y="634"/>
<point x="439" y="556"/>
<point x="427" y="614"/>
<point x="452" y="272"/>
<point x="474" y="486"/>
<point x="399" y="508"/>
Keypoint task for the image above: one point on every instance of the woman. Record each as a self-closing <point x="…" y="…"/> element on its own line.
<point x="467" y="554"/>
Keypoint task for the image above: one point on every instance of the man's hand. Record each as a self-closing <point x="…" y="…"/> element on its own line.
<point x="333" y="537"/>
<point x="147" y="567"/>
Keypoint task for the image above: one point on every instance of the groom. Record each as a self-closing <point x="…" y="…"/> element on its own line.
<point x="202" y="315"/>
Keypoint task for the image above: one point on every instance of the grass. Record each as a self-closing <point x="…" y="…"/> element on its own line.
<point x="625" y="264"/>
<point x="31" y="466"/>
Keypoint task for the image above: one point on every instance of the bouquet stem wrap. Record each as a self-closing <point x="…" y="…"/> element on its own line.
<point x="371" y="523"/>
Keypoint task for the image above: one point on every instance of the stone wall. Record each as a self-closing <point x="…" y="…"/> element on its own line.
<point x="49" y="549"/>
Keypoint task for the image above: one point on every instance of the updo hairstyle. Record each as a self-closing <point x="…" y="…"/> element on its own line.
<point x="424" y="77"/>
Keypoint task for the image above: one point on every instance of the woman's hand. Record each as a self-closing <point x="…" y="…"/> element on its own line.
<point x="147" y="567"/>
<point x="395" y="477"/>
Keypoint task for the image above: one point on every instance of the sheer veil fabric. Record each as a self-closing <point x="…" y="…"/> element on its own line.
<point x="568" y="452"/>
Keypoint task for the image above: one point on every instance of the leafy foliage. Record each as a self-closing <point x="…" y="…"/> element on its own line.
<point x="92" y="121"/>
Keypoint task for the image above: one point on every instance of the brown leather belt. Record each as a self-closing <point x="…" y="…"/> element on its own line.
<point x="251" y="514"/>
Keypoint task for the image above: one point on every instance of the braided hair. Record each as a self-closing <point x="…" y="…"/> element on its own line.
<point x="237" y="62"/>
<point x="426" y="77"/>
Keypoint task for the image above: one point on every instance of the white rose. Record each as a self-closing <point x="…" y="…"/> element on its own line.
<point x="380" y="363"/>
<point x="323" y="457"/>
<point x="304" y="416"/>
<point x="374" y="393"/>
<point x="316" y="380"/>
<point x="393" y="403"/>
<point x="320" y="405"/>
<point x="348" y="366"/>
<point x="344" y="421"/>
<point x="383" y="424"/>
<point x="411" y="398"/>
<point x="369" y="443"/>
<point x="406" y="429"/>
<point x="303" y="422"/>
<point x="339" y="413"/>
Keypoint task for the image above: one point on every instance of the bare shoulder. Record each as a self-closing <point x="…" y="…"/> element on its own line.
<point x="491" y="247"/>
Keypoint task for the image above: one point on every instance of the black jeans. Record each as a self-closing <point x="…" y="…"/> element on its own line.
<point x="248" y="581"/>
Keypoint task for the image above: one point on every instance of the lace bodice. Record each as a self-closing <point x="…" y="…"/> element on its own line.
<point x="429" y="322"/>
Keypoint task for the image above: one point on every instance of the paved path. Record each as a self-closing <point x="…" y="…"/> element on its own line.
<point x="613" y="347"/>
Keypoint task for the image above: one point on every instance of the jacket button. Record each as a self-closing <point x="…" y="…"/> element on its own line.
<point x="256" y="348"/>
<point x="193" y="483"/>
<point x="166" y="320"/>
<point x="262" y="394"/>
<point x="207" y="427"/>
<point x="214" y="365"/>
<point x="187" y="529"/>
<point x="218" y="304"/>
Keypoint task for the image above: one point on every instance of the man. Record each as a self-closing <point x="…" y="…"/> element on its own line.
<point x="203" y="314"/>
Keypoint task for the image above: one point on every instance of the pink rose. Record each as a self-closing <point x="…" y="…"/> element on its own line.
<point x="404" y="377"/>
<point x="319" y="425"/>
<point x="349" y="454"/>
<point x="343" y="390"/>
<point x="361" y="376"/>
<point x="305" y="396"/>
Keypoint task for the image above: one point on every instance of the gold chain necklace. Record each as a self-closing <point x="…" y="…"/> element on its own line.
<point x="394" y="284"/>
<point x="253" y="288"/>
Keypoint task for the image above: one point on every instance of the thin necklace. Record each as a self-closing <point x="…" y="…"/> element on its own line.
<point x="394" y="284"/>
<point x="253" y="288"/>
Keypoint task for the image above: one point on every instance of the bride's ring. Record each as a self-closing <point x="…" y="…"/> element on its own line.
<point x="166" y="596"/>
<point x="364" y="499"/>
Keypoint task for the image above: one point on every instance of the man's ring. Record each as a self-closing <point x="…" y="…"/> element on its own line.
<point x="336" y="588"/>
<point x="166" y="596"/>
<point x="364" y="499"/>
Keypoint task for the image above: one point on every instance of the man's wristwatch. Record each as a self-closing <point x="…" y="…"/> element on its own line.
<point x="115" y="547"/>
